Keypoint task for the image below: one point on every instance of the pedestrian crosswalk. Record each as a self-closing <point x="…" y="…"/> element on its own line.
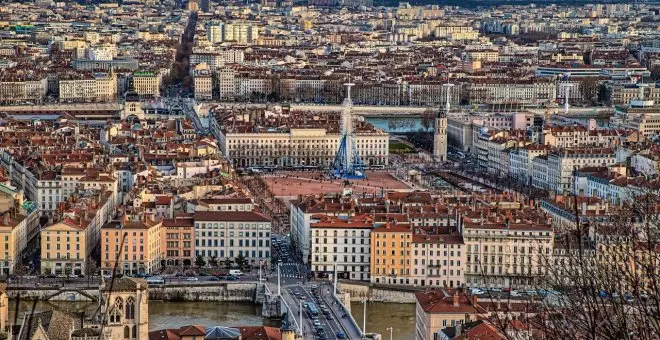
<point x="290" y="270"/>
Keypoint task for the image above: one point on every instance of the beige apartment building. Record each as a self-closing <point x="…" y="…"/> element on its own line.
<point x="505" y="254"/>
<point x="146" y="83"/>
<point x="17" y="90"/>
<point x="436" y="309"/>
<point x="65" y="247"/>
<point x="89" y="87"/>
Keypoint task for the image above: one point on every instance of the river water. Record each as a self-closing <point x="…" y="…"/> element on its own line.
<point x="380" y="315"/>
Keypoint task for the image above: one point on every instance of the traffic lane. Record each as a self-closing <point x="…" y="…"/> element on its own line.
<point x="328" y="318"/>
<point x="330" y="333"/>
<point x="303" y="297"/>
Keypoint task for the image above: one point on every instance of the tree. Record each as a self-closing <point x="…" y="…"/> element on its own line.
<point x="589" y="88"/>
<point x="213" y="261"/>
<point x="428" y="117"/>
<point x="240" y="261"/>
<point x="199" y="261"/>
<point x="655" y="72"/>
<point x="603" y="279"/>
<point x="20" y="269"/>
<point x="90" y="269"/>
<point x="228" y="262"/>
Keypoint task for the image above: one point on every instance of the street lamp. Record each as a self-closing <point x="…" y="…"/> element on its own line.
<point x="391" y="329"/>
<point x="364" y="318"/>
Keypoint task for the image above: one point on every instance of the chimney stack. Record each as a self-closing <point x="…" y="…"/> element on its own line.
<point x="456" y="299"/>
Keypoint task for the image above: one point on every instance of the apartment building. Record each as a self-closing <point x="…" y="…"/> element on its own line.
<point x="522" y="91"/>
<point x="301" y="219"/>
<point x="240" y="33"/>
<point x="624" y="94"/>
<point x="521" y="161"/>
<point x="88" y="87"/>
<point x="146" y="83"/>
<point x="178" y="240"/>
<point x="132" y="246"/>
<point x="202" y="82"/>
<point x="505" y="251"/>
<point x="562" y="164"/>
<point x="21" y="90"/>
<point x="437" y="309"/>
<point x="572" y="136"/>
<point x="390" y="255"/>
<point x="490" y="56"/>
<point x="217" y="59"/>
<point x="228" y="234"/>
<point x="344" y="244"/>
<point x="438" y="260"/>
<point x="16" y="230"/>
<point x="66" y="247"/>
<point x="303" y="142"/>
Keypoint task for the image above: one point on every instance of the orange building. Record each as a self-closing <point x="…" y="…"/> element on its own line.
<point x="141" y="251"/>
<point x="178" y="240"/>
<point x="390" y="254"/>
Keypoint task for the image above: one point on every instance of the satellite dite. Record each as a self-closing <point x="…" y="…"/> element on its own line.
<point x="347" y="164"/>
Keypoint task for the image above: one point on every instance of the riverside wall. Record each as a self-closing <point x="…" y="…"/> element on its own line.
<point x="360" y="291"/>
<point x="236" y="292"/>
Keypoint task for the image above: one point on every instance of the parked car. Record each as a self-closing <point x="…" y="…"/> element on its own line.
<point x="513" y="293"/>
<point x="192" y="278"/>
<point x="212" y="278"/>
<point x="477" y="291"/>
<point x="235" y="272"/>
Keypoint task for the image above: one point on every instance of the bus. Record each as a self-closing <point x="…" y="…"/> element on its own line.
<point x="311" y="308"/>
<point x="155" y="280"/>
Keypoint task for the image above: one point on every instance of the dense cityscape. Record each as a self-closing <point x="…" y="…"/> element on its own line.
<point x="321" y="169"/>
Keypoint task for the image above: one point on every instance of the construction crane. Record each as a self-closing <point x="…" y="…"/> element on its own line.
<point x="347" y="164"/>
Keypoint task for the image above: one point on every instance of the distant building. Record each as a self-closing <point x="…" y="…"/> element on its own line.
<point x="437" y="309"/>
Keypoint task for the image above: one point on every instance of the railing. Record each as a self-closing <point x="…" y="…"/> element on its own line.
<point x="350" y="316"/>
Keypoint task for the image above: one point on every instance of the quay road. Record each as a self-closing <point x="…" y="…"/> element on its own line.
<point x="297" y="291"/>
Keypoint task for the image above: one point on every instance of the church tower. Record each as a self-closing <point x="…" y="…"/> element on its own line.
<point x="440" y="137"/>
<point x="125" y="309"/>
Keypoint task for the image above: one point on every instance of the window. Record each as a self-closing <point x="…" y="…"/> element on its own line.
<point x="130" y="309"/>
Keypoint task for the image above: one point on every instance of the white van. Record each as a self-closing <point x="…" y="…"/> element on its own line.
<point x="235" y="272"/>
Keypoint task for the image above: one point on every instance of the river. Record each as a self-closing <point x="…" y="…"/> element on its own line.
<point x="380" y="315"/>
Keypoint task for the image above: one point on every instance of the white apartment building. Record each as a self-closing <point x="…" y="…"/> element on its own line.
<point x="438" y="260"/>
<point x="301" y="214"/>
<point x="540" y="172"/>
<point x="246" y="87"/>
<point x="521" y="159"/>
<point x="344" y="243"/>
<point x="93" y="87"/>
<point x="228" y="234"/>
<point x="534" y="91"/>
<point x="241" y="33"/>
<point x="505" y="254"/>
<point x="12" y="91"/>
<point x="226" y="83"/>
<point x="562" y="165"/>
<point x="217" y="59"/>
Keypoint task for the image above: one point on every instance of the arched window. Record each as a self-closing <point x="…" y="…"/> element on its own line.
<point x="127" y="332"/>
<point x="134" y="331"/>
<point x="130" y="309"/>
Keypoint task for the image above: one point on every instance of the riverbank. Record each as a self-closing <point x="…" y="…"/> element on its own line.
<point x="219" y="292"/>
<point x="360" y="291"/>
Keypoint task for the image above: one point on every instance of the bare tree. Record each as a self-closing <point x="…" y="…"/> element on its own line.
<point x="602" y="280"/>
<point x="589" y="88"/>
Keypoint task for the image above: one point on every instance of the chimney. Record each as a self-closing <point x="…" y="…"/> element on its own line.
<point x="456" y="299"/>
<point x="6" y="219"/>
<point x="475" y="300"/>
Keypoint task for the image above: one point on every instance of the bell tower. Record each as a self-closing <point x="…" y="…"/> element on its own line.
<point x="440" y="137"/>
<point x="440" y="134"/>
